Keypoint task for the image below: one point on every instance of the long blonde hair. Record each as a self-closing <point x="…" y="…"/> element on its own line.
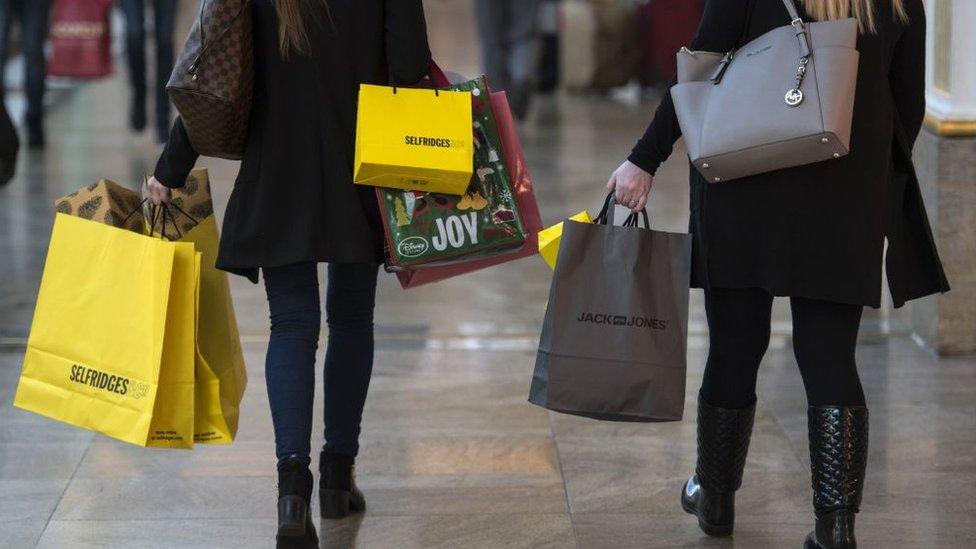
<point x="862" y="10"/>
<point x="293" y="17"/>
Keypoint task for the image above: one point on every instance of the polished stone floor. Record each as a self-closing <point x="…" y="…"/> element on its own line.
<point x="453" y="456"/>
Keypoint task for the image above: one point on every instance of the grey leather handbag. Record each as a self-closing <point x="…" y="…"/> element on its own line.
<point x="782" y="100"/>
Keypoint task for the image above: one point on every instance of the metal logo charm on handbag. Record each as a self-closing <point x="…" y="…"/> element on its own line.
<point x="794" y="97"/>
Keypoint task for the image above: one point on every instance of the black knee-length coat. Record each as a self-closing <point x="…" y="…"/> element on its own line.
<point x="294" y="199"/>
<point x="818" y="231"/>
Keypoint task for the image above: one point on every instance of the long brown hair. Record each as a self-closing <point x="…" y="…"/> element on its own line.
<point x="862" y="10"/>
<point x="293" y="20"/>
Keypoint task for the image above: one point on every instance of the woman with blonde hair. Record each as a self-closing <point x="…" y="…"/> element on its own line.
<point x="815" y="233"/>
<point x="294" y="205"/>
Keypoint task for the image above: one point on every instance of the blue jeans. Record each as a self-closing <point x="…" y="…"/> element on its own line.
<point x="293" y="297"/>
<point x="33" y="17"/>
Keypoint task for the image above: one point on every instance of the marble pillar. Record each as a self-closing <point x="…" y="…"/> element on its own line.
<point x="945" y="156"/>
<point x="947" y="173"/>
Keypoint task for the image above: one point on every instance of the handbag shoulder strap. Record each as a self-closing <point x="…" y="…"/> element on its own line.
<point x="800" y="27"/>
<point x="791" y="9"/>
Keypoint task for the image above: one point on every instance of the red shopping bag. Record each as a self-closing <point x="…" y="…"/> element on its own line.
<point x="524" y="196"/>
<point x="81" y="39"/>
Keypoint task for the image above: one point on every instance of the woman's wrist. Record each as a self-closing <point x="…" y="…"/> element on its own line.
<point x="643" y="161"/>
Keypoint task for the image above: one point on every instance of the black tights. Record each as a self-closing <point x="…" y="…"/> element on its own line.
<point x="824" y="337"/>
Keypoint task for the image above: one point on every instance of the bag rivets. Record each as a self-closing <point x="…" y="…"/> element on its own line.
<point x="717" y="179"/>
<point x="705" y="166"/>
<point x="824" y="140"/>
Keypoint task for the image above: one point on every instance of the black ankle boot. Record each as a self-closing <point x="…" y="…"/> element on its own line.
<point x="838" y="459"/>
<point x="338" y="495"/>
<point x="723" y="442"/>
<point x="295" y="528"/>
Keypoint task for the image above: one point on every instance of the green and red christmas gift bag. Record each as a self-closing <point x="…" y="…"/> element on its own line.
<point x="425" y="228"/>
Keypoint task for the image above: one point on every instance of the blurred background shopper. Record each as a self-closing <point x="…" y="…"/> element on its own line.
<point x="164" y="14"/>
<point x="510" y="48"/>
<point x="33" y="18"/>
<point x="815" y="233"/>
<point x="294" y="205"/>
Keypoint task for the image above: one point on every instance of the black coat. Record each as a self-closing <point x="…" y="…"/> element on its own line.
<point x="294" y="199"/>
<point x="818" y="231"/>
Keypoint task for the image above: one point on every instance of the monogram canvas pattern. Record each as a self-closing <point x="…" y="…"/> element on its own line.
<point x="212" y="82"/>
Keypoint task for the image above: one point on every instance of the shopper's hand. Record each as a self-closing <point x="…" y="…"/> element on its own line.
<point x="156" y="192"/>
<point x="631" y="185"/>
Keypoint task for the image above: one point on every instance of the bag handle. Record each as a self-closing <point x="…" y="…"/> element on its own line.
<point x="634" y="219"/>
<point x="801" y="28"/>
<point x="606" y="214"/>
<point x="794" y="96"/>
<point x="437" y="77"/>
<point x="154" y="214"/>
<point x="605" y="217"/>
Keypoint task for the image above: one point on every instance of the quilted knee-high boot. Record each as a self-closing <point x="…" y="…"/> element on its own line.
<point x="723" y="442"/>
<point x="838" y="458"/>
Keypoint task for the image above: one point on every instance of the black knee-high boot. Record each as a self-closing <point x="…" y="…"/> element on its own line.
<point x="295" y="528"/>
<point x="723" y="442"/>
<point x="838" y="459"/>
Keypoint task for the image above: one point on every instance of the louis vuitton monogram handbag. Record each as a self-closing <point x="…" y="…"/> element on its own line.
<point x="213" y="80"/>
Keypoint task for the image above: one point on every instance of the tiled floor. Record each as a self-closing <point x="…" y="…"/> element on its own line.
<point x="453" y="456"/>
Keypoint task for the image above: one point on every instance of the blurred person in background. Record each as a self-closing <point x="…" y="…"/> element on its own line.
<point x="814" y="233"/>
<point x="9" y="146"/>
<point x="294" y="205"/>
<point x="34" y="19"/>
<point x="164" y="14"/>
<point x="509" y="48"/>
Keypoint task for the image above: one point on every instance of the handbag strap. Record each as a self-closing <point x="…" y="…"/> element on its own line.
<point x="800" y="27"/>
<point x="803" y="41"/>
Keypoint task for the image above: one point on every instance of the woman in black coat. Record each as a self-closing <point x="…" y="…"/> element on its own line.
<point x="294" y="205"/>
<point x="815" y="233"/>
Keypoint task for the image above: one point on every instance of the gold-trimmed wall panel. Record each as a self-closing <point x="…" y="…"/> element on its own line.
<point x="950" y="128"/>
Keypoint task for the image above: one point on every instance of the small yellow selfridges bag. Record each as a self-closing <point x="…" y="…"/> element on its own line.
<point x="414" y="139"/>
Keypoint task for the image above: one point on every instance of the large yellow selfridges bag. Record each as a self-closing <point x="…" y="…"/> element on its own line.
<point x="134" y="336"/>
<point x="111" y="347"/>
<point x="414" y="139"/>
<point x="221" y="376"/>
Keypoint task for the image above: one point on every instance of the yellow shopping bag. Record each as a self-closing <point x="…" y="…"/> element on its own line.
<point x="111" y="344"/>
<point x="220" y="372"/>
<point x="221" y="376"/>
<point x="549" y="238"/>
<point x="414" y="139"/>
